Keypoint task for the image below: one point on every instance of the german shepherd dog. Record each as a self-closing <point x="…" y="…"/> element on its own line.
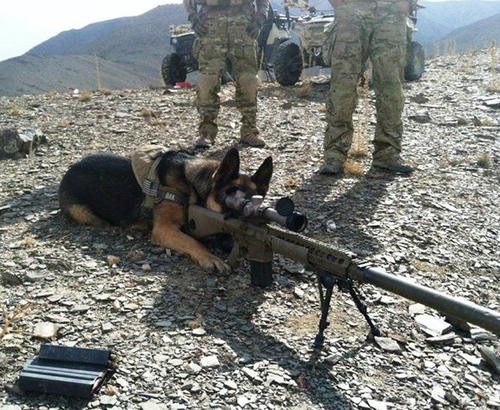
<point x="101" y="189"/>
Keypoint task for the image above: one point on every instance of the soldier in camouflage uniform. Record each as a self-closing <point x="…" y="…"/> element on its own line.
<point x="376" y="30"/>
<point x="226" y="29"/>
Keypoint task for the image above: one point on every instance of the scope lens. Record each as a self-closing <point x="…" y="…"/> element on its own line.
<point x="296" y="222"/>
<point x="285" y="206"/>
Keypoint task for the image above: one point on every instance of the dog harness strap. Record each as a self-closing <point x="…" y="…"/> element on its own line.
<point x="145" y="162"/>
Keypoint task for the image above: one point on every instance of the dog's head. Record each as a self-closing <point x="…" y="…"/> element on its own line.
<point x="227" y="177"/>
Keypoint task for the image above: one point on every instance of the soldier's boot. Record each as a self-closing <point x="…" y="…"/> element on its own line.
<point x="394" y="165"/>
<point x="207" y="132"/>
<point x="331" y="169"/>
<point x="249" y="132"/>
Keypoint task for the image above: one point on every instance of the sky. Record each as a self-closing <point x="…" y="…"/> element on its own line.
<point x="27" y="23"/>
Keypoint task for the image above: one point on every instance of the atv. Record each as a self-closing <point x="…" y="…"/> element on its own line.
<point x="177" y="65"/>
<point x="314" y="31"/>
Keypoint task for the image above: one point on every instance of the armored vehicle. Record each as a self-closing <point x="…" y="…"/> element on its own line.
<point x="313" y="48"/>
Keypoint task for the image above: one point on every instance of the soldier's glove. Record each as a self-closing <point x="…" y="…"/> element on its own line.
<point x="253" y="29"/>
<point x="197" y="24"/>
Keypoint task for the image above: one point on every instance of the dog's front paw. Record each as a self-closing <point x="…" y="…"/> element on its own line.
<point x="213" y="264"/>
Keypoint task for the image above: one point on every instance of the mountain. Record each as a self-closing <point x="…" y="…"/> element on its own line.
<point x="129" y="51"/>
<point x="477" y="35"/>
<point x="438" y="19"/>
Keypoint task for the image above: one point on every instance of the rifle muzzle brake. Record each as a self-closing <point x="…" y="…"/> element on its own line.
<point x="283" y="215"/>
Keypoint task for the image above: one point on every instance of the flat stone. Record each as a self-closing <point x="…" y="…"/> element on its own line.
<point x="192" y="368"/>
<point x="153" y="405"/>
<point x="444" y="339"/>
<point x="199" y="332"/>
<point x="387" y="344"/>
<point x="46" y="330"/>
<point x="432" y="325"/>
<point x="107" y="327"/>
<point x="416" y="309"/>
<point x="209" y="361"/>
<point x="80" y="309"/>
<point x="377" y="405"/>
<point x="34" y="276"/>
<point x="252" y="374"/>
<point x="488" y="355"/>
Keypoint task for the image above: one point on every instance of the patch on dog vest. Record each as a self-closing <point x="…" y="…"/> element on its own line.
<point x="144" y="163"/>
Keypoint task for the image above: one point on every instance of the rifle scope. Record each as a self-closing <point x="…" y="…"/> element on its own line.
<point x="283" y="214"/>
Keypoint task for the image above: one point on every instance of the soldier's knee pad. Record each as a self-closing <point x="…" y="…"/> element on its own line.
<point x="248" y="83"/>
<point x="208" y="86"/>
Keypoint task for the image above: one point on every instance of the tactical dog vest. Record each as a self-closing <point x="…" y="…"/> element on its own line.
<point x="144" y="163"/>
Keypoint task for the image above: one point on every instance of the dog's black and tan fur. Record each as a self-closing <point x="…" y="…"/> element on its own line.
<point x="101" y="189"/>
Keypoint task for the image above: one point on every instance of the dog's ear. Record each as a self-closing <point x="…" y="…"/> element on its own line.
<point x="263" y="176"/>
<point x="229" y="168"/>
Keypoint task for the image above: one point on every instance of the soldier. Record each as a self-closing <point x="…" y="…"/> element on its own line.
<point x="226" y="29"/>
<point x="374" y="29"/>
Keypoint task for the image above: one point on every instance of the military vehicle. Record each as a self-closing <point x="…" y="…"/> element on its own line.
<point x="177" y="65"/>
<point x="313" y="49"/>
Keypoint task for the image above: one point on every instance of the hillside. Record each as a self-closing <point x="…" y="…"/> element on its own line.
<point x="477" y="35"/>
<point x="130" y="52"/>
<point x="439" y="19"/>
<point x="130" y="49"/>
<point x="189" y="339"/>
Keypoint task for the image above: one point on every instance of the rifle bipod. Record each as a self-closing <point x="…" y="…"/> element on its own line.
<point x="327" y="281"/>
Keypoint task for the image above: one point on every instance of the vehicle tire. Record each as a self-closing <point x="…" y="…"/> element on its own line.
<point x="287" y="63"/>
<point x="416" y="62"/>
<point x="173" y="69"/>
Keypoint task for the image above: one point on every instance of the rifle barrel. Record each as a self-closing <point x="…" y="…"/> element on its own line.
<point x="451" y="306"/>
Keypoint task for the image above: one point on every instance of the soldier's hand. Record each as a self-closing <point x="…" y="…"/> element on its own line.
<point x="253" y="29"/>
<point x="197" y="24"/>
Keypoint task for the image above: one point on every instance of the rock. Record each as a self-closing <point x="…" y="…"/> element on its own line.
<point x="209" y="361"/>
<point x="387" y="344"/>
<point x="432" y="325"/>
<point x="153" y="405"/>
<point x="192" y="368"/>
<point x="199" y="332"/>
<point x="480" y="335"/>
<point x="416" y="309"/>
<point x="298" y="293"/>
<point x="108" y="400"/>
<point x="46" y="330"/>
<point x="377" y="405"/>
<point x="421" y="118"/>
<point x="34" y="276"/>
<point x="488" y="355"/>
<point x="107" y="327"/>
<point x="11" y="278"/>
<point x="19" y="143"/>
<point x="448" y="338"/>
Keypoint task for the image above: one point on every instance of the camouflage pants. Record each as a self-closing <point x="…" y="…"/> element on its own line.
<point x="375" y="30"/>
<point x="226" y="38"/>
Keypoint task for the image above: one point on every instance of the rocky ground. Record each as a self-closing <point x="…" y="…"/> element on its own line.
<point x="186" y="340"/>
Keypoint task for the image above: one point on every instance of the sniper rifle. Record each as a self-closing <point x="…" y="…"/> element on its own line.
<point x="255" y="239"/>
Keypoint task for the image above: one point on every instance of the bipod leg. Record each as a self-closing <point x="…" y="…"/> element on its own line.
<point x="347" y="284"/>
<point x="325" y="280"/>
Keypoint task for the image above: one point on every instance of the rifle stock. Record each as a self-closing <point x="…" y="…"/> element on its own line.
<point x="256" y="241"/>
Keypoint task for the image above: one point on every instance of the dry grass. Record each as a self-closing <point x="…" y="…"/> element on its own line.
<point x="427" y="267"/>
<point x="8" y="319"/>
<point x="305" y="90"/>
<point x="97" y="73"/>
<point x="15" y="110"/>
<point x="29" y="241"/>
<point x="63" y="124"/>
<point x="106" y="91"/>
<point x="484" y="160"/>
<point x="145" y="113"/>
<point x="196" y="323"/>
<point x="159" y="121"/>
<point x="494" y="83"/>
<point x="85" y="96"/>
<point x="354" y="168"/>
